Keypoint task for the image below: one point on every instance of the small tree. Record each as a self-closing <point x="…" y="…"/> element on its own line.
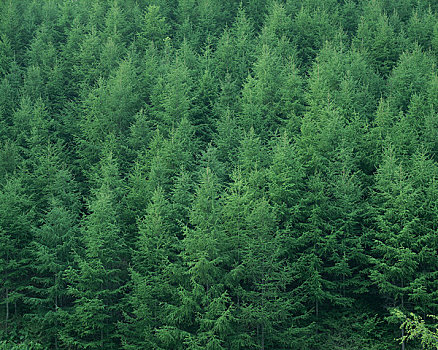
<point x="416" y="328"/>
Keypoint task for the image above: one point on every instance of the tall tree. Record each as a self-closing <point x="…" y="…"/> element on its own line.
<point x="394" y="257"/>
<point x="378" y="39"/>
<point x="265" y="106"/>
<point x="96" y="284"/>
<point x="151" y="276"/>
<point x="16" y="216"/>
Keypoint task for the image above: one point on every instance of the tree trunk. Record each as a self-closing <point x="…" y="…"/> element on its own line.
<point x="403" y="345"/>
<point x="263" y="338"/>
<point x="403" y="334"/>
<point x="317" y="316"/>
<point x="56" y="317"/>
<point x="257" y="334"/>
<point x="7" y="310"/>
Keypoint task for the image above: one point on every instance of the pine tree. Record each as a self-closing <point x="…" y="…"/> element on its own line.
<point x="96" y="285"/>
<point x="172" y="96"/>
<point x="86" y="70"/>
<point x="201" y="174"/>
<point x="12" y="25"/>
<point x="409" y="77"/>
<point x="265" y="106"/>
<point x="170" y="156"/>
<point x="16" y="216"/>
<point x="227" y="139"/>
<point x="151" y="276"/>
<point x="116" y="25"/>
<point x="311" y="28"/>
<point x="343" y="79"/>
<point x="7" y="105"/>
<point x="54" y="236"/>
<point x="109" y="112"/>
<point x="235" y="49"/>
<point x="286" y="182"/>
<point x="326" y="243"/>
<point x="424" y="294"/>
<point x="9" y="160"/>
<point x="394" y="257"/>
<point x="277" y="25"/>
<point x="203" y="252"/>
<point x="205" y="97"/>
<point x="378" y="39"/>
<point x="154" y="28"/>
<point x="421" y="26"/>
<point x="6" y="55"/>
<point x="51" y="247"/>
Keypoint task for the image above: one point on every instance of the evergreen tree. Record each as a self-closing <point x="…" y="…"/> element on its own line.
<point x="57" y="205"/>
<point x="265" y="106"/>
<point x="286" y="182"/>
<point x="172" y="96"/>
<point x="394" y="257"/>
<point x="205" y="95"/>
<point x="203" y="253"/>
<point x="16" y="216"/>
<point x="345" y="80"/>
<point x="235" y="48"/>
<point x="378" y="39"/>
<point x="96" y="285"/>
<point x="201" y="174"/>
<point x="409" y="77"/>
<point x="151" y="276"/>
<point x="154" y="28"/>
<point x="311" y="28"/>
<point x="52" y="246"/>
<point x="170" y="156"/>
<point x="6" y="55"/>
<point x="420" y="27"/>
<point x="109" y="112"/>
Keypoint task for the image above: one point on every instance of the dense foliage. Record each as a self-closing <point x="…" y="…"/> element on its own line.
<point x="210" y="174"/>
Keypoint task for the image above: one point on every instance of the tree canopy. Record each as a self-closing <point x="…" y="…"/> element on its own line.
<point x="207" y="174"/>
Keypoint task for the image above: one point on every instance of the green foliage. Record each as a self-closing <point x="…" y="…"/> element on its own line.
<point x="344" y="81"/>
<point x="409" y="78"/>
<point x="206" y="174"/>
<point x="271" y="95"/>
<point x="377" y="38"/>
<point x="416" y="328"/>
<point x="154" y="28"/>
<point x="311" y="28"/>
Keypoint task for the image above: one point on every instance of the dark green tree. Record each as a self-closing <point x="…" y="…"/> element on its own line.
<point x="152" y="282"/>
<point x="377" y="38"/>
<point x="16" y="216"/>
<point x="96" y="284"/>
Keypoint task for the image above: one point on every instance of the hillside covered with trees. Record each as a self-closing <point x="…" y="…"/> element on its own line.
<point x="217" y="174"/>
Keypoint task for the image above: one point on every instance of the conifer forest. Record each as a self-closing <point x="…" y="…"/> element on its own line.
<point x="218" y="174"/>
